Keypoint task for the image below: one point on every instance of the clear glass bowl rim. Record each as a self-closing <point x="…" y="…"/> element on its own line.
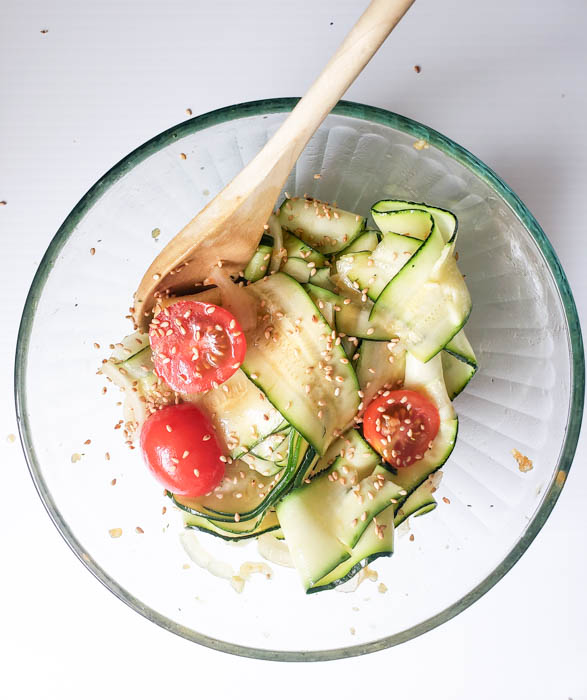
<point x="369" y="114"/>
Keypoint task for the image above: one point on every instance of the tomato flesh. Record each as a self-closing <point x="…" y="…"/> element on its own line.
<point x="196" y="346"/>
<point x="181" y="450"/>
<point x="400" y="425"/>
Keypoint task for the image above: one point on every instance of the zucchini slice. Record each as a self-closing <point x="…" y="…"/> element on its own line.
<point x="324" y="520"/>
<point x="243" y="493"/>
<point x="460" y="347"/>
<point x="380" y="365"/>
<point x="269" y="456"/>
<point x="364" y="242"/>
<point x="322" y="278"/>
<point x="288" y="355"/>
<point x="129" y="346"/>
<point x="374" y="270"/>
<point x="242" y="416"/>
<point x="233" y="531"/>
<point x="325" y="228"/>
<point x="404" y="217"/>
<point x="428" y="295"/>
<point x="136" y="378"/>
<point x="457" y="374"/>
<point x="274" y="447"/>
<point x="300" y="270"/>
<point x="418" y="503"/>
<point x="356" y="320"/>
<point x="328" y="302"/>
<point x="296" y="248"/>
<point x="258" y="264"/>
<point x="375" y="542"/>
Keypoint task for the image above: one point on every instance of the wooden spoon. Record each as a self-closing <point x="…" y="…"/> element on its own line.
<point x="228" y="229"/>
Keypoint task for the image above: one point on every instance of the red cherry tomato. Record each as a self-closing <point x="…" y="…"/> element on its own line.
<point x="181" y="449"/>
<point x="196" y="346"/>
<point x="400" y="425"/>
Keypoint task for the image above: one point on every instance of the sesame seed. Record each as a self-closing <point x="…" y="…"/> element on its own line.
<point x="206" y="438"/>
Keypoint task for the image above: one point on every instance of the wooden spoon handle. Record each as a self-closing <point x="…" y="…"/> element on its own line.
<point x="352" y="56"/>
<point x="229" y="227"/>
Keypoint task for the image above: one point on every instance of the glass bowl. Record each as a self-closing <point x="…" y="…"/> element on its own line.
<point x="527" y="395"/>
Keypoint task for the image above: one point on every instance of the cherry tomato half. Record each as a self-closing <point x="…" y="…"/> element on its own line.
<point x="400" y="425"/>
<point x="196" y="346"/>
<point x="181" y="449"/>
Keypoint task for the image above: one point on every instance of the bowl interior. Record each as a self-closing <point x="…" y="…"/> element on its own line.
<point x="521" y="397"/>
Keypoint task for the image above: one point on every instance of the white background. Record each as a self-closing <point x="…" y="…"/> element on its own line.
<point x="507" y="79"/>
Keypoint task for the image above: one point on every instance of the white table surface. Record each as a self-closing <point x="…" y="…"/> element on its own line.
<point x="506" y="79"/>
